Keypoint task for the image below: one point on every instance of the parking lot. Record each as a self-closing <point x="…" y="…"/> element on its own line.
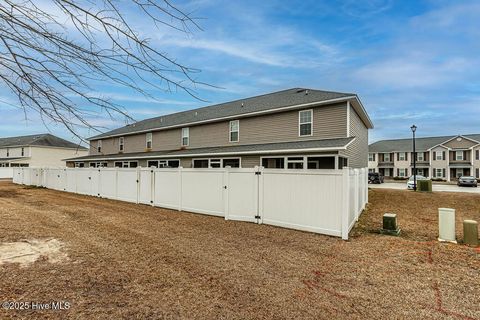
<point x="436" y="187"/>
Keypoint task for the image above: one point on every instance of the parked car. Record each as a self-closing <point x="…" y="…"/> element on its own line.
<point x="375" y="177"/>
<point x="467" y="181"/>
<point x="411" y="182"/>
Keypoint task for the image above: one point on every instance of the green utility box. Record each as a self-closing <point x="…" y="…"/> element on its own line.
<point x="424" y="185"/>
<point x="470" y="232"/>
<point x="390" y="226"/>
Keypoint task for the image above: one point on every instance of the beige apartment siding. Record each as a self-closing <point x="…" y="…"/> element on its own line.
<point x="250" y="161"/>
<point x="475" y="162"/>
<point x="14" y="152"/>
<point x="357" y="151"/>
<point x="328" y="122"/>
<point x="52" y="157"/>
<point x="462" y="144"/>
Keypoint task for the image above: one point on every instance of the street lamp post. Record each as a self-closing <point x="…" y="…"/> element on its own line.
<point x="414" y="128"/>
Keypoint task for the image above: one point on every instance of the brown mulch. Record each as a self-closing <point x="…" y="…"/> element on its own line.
<point x="128" y="261"/>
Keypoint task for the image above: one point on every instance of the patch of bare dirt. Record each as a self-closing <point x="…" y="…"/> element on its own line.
<point x="26" y="252"/>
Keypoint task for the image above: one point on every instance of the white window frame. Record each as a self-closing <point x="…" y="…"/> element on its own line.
<point x="420" y="156"/>
<point x="384" y="158"/>
<point x="370" y="157"/>
<point x="437" y="153"/>
<point x="305" y="160"/>
<point x="300" y="123"/>
<point x="148" y="139"/>
<point x="220" y="161"/>
<point x="126" y="164"/>
<point x="121" y="144"/>
<point x="400" y="154"/>
<point x="437" y="175"/>
<point x="457" y="153"/>
<point x="230" y="131"/>
<point x="185" y="135"/>
<point x="99" y="146"/>
<point x="402" y="172"/>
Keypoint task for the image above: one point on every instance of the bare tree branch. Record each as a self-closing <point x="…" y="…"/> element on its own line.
<point x="54" y="74"/>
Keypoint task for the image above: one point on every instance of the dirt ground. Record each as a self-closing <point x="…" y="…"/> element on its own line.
<point x="128" y="261"/>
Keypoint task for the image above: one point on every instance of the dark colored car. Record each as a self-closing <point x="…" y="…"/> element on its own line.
<point x="375" y="177"/>
<point x="467" y="181"/>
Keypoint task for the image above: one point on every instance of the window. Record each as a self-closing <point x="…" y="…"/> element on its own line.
<point x="438" y="155"/>
<point x="386" y="157"/>
<point x="402" y="172"/>
<point x="295" y="163"/>
<point x="121" y="141"/>
<point x="99" y="146"/>
<point x="477" y="172"/>
<point x="477" y="154"/>
<point x="126" y="164"/>
<point x="234" y="163"/>
<point x="401" y="156"/>
<point x="234" y="130"/>
<point x="371" y="157"/>
<point x="305" y="123"/>
<point x="149" y="139"/>
<point x="371" y="170"/>
<point x="98" y="164"/>
<point x="273" y="163"/>
<point x="200" y="163"/>
<point x="439" y="173"/>
<point x="185" y="136"/>
<point x="459" y="155"/>
<point x="420" y="156"/>
<point x="216" y="163"/>
<point x="79" y="165"/>
<point x="163" y="163"/>
<point x="8" y="152"/>
<point x="23" y="152"/>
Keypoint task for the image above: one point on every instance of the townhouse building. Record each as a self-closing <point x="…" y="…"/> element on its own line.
<point x="38" y="150"/>
<point x="291" y="129"/>
<point x="444" y="157"/>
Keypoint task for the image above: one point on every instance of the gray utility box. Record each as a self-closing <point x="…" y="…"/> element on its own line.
<point x="390" y="226"/>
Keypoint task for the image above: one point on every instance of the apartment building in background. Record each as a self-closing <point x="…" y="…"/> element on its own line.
<point x="291" y="129"/>
<point x="38" y="150"/>
<point x="445" y="157"/>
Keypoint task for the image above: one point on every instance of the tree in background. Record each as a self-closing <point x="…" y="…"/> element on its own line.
<point x="53" y="54"/>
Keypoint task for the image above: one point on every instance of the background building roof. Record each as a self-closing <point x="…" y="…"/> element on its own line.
<point x="45" y="140"/>
<point x="402" y="145"/>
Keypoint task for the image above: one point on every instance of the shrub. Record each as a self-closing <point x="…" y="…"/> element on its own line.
<point x="400" y="178"/>
<point x="438" y="179"/>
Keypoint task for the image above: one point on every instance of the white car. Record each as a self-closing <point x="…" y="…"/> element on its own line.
<point x="410" y="182"/>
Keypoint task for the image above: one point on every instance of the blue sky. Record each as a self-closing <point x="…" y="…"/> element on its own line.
<point x="409" y="61"/>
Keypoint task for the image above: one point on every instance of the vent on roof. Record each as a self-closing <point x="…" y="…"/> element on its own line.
<point x="242" y="104"/>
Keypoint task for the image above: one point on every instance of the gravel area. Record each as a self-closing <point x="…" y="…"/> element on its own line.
<point x="127" y="261"/>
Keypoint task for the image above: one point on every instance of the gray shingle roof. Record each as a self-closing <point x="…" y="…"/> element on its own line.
<point x="402" y="145"/>
<point x="275" y="100"/>
<point x="45" y="139"/>
<point x="332" y="144"/>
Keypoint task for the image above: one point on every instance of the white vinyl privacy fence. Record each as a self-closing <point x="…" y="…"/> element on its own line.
<point x="322" y="201"/>
<point x="6" y="173"/>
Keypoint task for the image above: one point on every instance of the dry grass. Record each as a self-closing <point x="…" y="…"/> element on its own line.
<point x="138" y="262"/>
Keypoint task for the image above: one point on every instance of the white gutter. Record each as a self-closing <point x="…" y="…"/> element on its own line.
<point x="298" y="106"/>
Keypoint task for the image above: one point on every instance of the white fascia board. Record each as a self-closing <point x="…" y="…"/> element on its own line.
<point x="238" y="116"/>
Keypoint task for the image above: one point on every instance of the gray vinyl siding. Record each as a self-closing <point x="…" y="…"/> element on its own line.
<point x="357" y="151"/>
<point x="328" y="122"/>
